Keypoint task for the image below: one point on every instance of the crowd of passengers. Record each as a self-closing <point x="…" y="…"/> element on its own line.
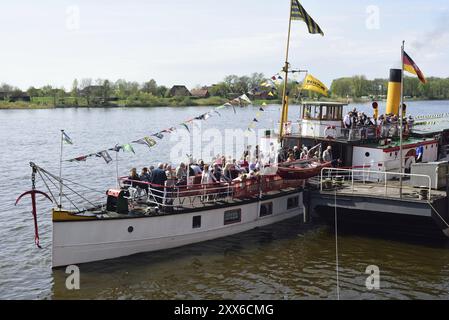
<point x="386" y="125"/>
<point x="165" y="177"/>
<point x="221" y="169"/>
<point x="286" y="155"/>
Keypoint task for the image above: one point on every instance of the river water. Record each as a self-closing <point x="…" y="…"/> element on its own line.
<point x="283" y="261"/>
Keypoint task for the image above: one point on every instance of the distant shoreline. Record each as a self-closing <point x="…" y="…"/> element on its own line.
<point x="177" y="103"/>
<point x="207" y="102"/>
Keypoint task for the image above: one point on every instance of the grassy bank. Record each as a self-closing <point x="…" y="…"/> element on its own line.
<point x="49" y="102"/>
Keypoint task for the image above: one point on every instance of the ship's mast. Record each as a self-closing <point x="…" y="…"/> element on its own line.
<point x="284" y="112"/>
<point x="401" y="123"/>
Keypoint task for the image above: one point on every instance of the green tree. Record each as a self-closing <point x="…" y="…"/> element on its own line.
<point x="74" y="93"/>
<point x="33" y="92"/>
<point x="150" y="87"/>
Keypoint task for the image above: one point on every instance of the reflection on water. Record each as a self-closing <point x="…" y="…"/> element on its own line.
<point x="284" y="261"/>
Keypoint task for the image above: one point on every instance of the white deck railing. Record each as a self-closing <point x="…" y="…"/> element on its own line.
<point x="202" y="194"/>
<point x="362" y="177"/>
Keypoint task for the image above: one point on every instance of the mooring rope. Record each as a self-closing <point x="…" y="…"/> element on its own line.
<point x="46" y="185"/>
<point x="336" y="246"/>
<point x="70" y="181"/>
<point x="63" y="194"/>
<point x="435" y="210"/>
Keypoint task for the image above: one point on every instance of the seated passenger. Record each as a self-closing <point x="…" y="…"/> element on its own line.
<point x="207" y="177"/>
<point x="227" y="173"/>
<point x="252" y="165"/>
<point x="217" y="172"/>
<point x="196" y="169"/>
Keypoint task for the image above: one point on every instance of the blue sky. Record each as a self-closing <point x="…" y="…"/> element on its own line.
<point x="200" y="41"/>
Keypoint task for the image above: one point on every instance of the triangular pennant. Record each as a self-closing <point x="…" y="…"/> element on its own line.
<point x="66" y="138"/>
<point x="106" y="156"/>
<point x="146" y="141"/>
<point x="128" y="148"/>
<point x="158" y="135"/>
<point x="185" y="126"/>
<point x="244" y="97"/>
<point x="117" y="148"/>
<point x="78" y="159"/>
<point x="169" y="130"/>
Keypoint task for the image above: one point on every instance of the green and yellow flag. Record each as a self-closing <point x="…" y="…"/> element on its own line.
<point x="298" y="13"/>
<point x="313" y="84"/>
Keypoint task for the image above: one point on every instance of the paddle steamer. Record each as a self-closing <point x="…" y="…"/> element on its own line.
<point x="369" y="168"/>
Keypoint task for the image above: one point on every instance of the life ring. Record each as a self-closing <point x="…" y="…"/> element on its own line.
<point x="330" y="132"/>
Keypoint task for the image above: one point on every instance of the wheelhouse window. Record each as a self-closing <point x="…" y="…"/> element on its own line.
<point x="196" y="222"/>
<point x="322" y="112"/>
<point x="311" y="112"/>
<point x="292" y="202"/>
<point x="266" y="209"/>
<point x="232" y="216"/>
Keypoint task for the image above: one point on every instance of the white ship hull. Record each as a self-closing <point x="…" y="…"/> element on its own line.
<point x="77" y="242"/>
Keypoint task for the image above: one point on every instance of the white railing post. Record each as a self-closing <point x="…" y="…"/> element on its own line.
<point x="352" y="180"/>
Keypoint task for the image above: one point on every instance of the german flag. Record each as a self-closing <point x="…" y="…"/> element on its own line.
<point x="298" y="13"/>
<point x="411" y="67"/>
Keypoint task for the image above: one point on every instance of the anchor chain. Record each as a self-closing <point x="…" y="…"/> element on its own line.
<point x="33" y="178"/>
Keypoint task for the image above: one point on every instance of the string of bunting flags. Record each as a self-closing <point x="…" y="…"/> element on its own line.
<point x="150" y="142"/>
<point x="268" y="86"/>
<point x="252" y="124"/>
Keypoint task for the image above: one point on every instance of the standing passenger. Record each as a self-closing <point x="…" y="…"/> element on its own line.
<point x="158" y="179"/>
<point x="327" y="154"/>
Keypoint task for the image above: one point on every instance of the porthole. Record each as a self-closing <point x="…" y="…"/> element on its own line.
<point x="367" y="154"/>
<point x="130" y="229"/>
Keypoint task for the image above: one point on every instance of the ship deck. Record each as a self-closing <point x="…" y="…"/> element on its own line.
<point x="144" y="209"/>
<point x="390" y="191"/>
